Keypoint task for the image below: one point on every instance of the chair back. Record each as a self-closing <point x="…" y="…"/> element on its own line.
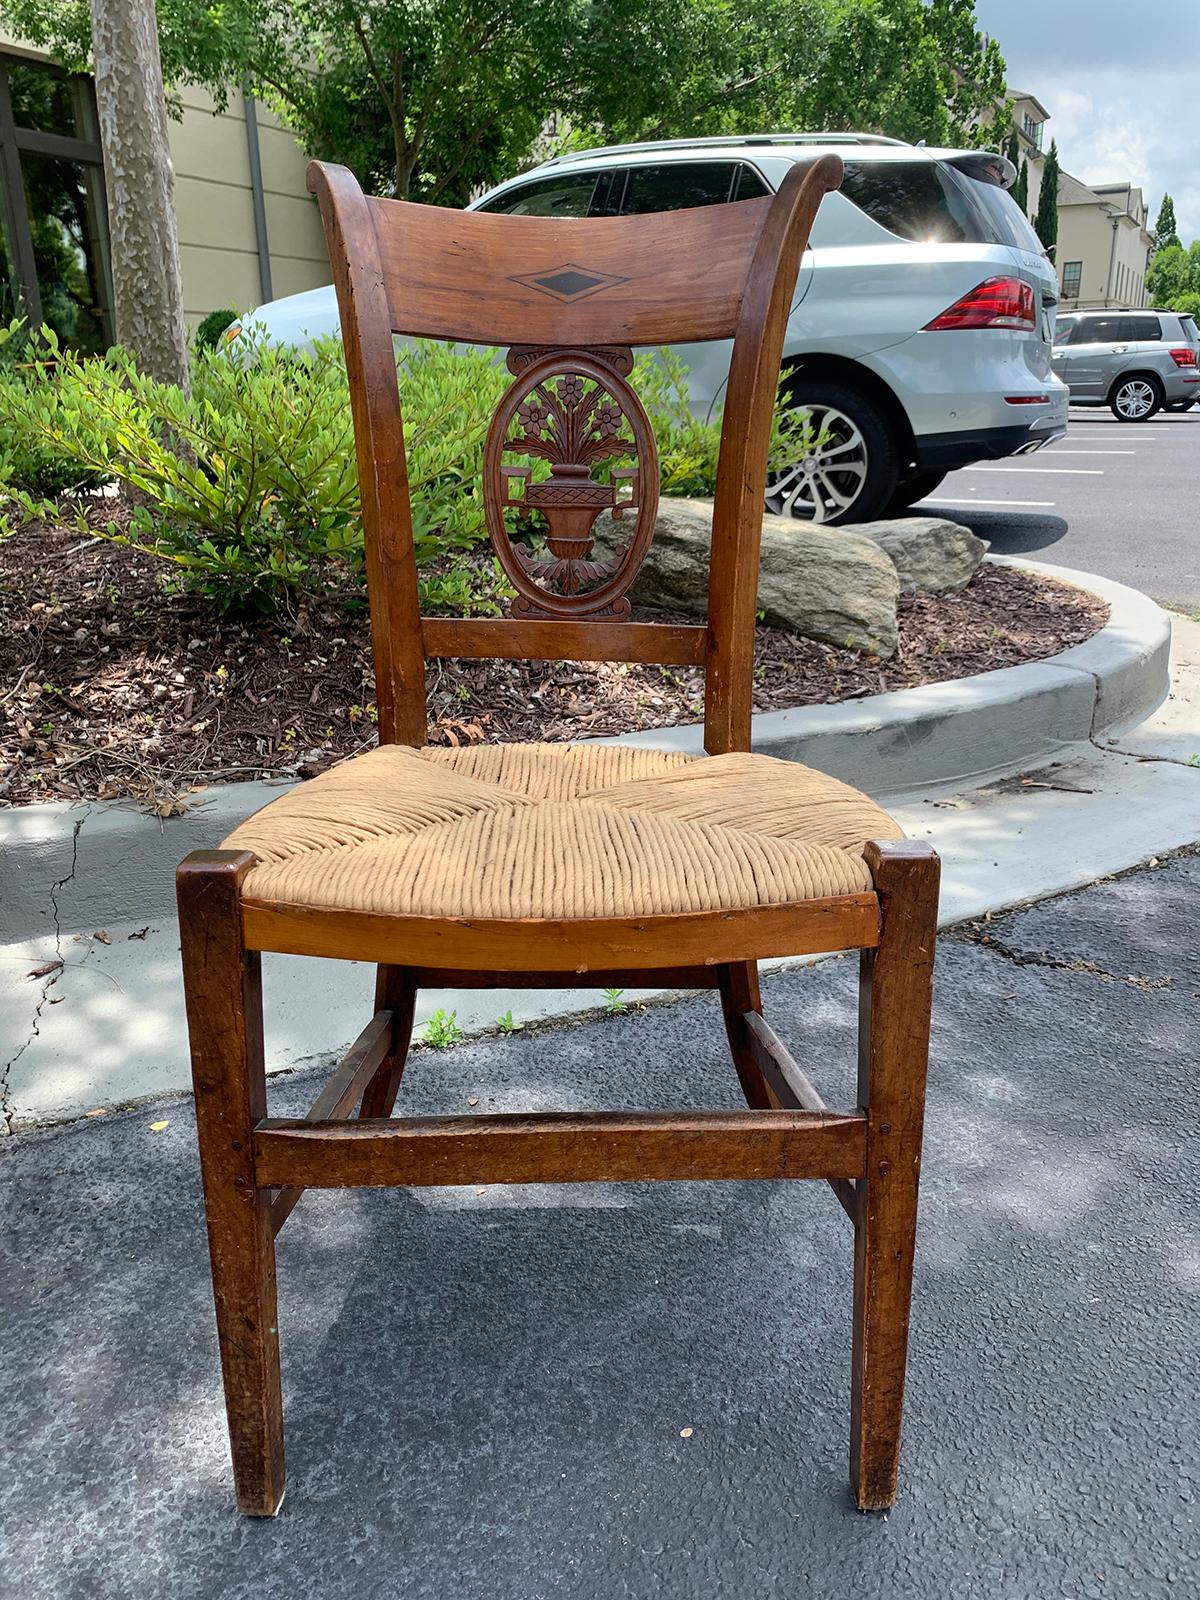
<point x="570" y="299"/>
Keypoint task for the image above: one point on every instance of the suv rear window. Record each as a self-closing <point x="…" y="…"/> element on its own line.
<point x="1190" y="331"/>
<point x="1142" y="328"/>
<point x="933" y="200"/>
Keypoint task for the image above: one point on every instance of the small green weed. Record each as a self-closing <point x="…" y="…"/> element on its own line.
<point x="614" y="1004"/>
<point x="442" y="1030"/>
<point x="508" y="1023"/>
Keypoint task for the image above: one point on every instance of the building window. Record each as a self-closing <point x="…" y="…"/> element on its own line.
<point x="1032" y="130"/>
<point x="54" y="265"/>
<point x="1072" y="273"/>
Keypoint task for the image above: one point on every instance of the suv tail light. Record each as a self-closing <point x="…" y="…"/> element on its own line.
<point x="1184" y="357"/>
<point x="994" y="303"/>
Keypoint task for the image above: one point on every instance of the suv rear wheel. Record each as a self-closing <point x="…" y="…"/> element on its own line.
<point x="850" y="470"/>
<point x="1135" y="398"/>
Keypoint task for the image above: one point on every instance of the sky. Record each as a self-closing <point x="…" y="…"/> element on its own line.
<point x="1121" y="81"/>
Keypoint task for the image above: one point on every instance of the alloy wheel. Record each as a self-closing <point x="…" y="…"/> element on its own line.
<point x="830" y="477"/>
<point x="1135" y="399"/>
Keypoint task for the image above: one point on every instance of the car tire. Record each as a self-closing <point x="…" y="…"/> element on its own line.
<point x="1136" y="397"/>
<point x="1179" y="405"/>
<point x="852" y="474"/>
<point x="912" y="488"/>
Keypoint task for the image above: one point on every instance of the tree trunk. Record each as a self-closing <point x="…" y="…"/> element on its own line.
<point x="147" y="289"/>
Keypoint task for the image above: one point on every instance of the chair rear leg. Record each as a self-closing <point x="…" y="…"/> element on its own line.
<point x="896" y="993"/>
<point x="223" y="988"/>
<point x="738" y="985"/>
<point x="395" y="991"/>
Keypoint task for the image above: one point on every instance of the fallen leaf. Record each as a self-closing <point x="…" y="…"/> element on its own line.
<point x="472" y="1100"/>
<point x="104" y="938"/>
<point x="45" y="970"/>
<point x="141" y="934"/>
<point x="57" y="999"/>
<point x="686" y="1433"/>
<point x="100" y="1111"/>
<point x="157" y="1127"/>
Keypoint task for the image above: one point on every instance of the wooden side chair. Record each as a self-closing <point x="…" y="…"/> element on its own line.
<point x="536" y="865"/>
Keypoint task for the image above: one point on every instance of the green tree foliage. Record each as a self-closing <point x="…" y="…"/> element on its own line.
<point x="1165" y="229"/>
<point x="1173" y="281"/>
<point x="1020" y="189"/>
<point x="433" y="99"/>
<point x="1045" y="224"/>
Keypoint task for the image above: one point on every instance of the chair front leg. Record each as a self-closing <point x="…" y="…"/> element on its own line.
<point x="895" y="997"/>
<point x="223" y="987"/>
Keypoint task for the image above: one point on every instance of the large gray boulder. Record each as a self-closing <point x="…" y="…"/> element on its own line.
<point x="832" y="584"/>
<point x="929" y="553"/>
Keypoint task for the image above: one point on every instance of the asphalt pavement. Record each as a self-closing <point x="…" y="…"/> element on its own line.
<point x="1117" y="498"/>
<point x="642" y="1391"/>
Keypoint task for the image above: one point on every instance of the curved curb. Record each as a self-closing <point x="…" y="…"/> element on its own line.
<point x="973" y="728"/>
<point x="81" y="866"/>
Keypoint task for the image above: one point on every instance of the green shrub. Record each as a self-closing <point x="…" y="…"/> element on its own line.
<point x="248" y="485"/>
<point x="30" y="460"/>
<point x="208" y="335"/>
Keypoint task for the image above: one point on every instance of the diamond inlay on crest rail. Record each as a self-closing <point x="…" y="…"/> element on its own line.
<point x="569" y="282"/>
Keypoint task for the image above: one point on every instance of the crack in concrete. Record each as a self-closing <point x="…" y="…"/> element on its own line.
<point x="1191" y="762"/>
<point x="47" y="983"/>
<point x="1043" y="958"/>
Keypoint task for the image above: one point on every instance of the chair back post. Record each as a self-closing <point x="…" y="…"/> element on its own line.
<point x="745" y="447"/>
<point x="379" y="445"/>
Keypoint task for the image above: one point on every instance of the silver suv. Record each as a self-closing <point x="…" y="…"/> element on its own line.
<point x="1135" y="362"/>
<point x="919" y="339"/>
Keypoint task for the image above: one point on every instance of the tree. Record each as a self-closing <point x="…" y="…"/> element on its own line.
<point x="434" y="99"/>
<point x="140" y="184"/>
<point x="1045" y="224"/>
<point x="1165" y="232"/>
<point x="1020" y="189"/>
<point x="1173" y="280"/>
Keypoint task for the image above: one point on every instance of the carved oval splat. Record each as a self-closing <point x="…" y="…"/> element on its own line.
<point x="573" y="410"/>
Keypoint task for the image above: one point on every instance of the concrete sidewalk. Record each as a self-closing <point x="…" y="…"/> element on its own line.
<point x="486" y="1389"/>
<point x="108" y="1029"/>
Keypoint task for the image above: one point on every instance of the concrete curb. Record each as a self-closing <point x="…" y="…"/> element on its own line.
<point x="70" y="867"/>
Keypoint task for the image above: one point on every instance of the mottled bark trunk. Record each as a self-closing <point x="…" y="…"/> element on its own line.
<point x="147" y="292"/>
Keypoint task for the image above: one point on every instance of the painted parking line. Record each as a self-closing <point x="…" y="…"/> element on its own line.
<point x="972" y="501"/>
<point x="1045" y="454"/>
<point x="1058" y="472"/>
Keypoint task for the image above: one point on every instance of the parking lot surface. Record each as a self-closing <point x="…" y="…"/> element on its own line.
<point x="1117" y="498"/>
<point x="641" y="1392"/>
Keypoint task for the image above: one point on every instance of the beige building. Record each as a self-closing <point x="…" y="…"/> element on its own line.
<point x="1104" y="245"/>
<point x="248" y="230"/>
<point x="1029" y="119"/>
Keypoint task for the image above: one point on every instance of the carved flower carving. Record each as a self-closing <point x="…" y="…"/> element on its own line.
<point x="570" y="391"/>
<point x="609" y="419"/>
<point x="532" y="414"/>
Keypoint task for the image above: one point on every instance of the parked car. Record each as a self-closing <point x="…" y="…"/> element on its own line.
<point x="920" y="336"/>
<point x="1134" y="362"/>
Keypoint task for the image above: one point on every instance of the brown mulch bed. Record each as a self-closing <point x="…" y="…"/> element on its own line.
<point x="109" y="687"/>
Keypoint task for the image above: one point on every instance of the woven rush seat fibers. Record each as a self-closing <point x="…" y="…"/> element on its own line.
<point x="494" y="832"/>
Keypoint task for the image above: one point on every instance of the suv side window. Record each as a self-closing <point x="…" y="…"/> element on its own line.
<point x="566" y="194"/>
<point x="676" y="185"/>
<point x="1098" y="330"/>
<point x="1142" y="328"/>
